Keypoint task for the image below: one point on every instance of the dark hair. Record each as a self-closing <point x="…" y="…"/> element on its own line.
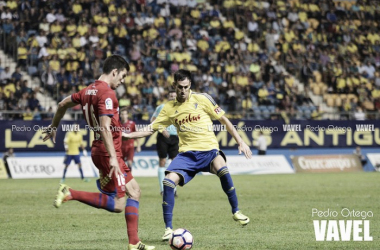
<point x="124" y="109"/>
<point x="181" y="75"/>
<point x="114" y="62"/>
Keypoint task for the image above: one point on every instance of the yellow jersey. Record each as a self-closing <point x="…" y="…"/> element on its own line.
<point x="193" y="120"/>
<point x="73" y="140"/>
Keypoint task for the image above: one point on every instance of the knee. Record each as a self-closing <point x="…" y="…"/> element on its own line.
<point x="135" y="194"/>
<point x="119" y="208"/>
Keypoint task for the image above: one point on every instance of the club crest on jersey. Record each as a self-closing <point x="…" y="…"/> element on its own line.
<point x="109" y="103"/>
<point x="196" y="105"/>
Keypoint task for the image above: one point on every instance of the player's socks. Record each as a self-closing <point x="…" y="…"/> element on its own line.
<point x="228" y="187"/>
<point x="81" y="173"/>
<point x="64" y="174"/>
<point x="132" y="220"/>
<point x="161" y="177"/>
<point x="168" y="202"/>
<point x="97" y="200"/>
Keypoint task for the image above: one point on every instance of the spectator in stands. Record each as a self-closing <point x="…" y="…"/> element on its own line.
<point x="16" y="76"/>
<point x="5" y="76"/>
<point x="359" y="114"/>
<point x="49" y="81"/>
<point x="34" y="102"/>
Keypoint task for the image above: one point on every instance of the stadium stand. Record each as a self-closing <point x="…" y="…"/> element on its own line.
<point x="258" y="59"/>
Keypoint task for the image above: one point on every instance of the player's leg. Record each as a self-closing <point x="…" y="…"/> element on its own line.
<point x="173" y="152"/>
<point x="132" y="214"/>
<point x="78" y="162"/>
<point x="67" y="162"/>
<point x="105" y="199"/>
<point x="130" y="154"/>
<point x="170" y="182"/>
<point x="132" y="210"/>
<point x="218" y="167"/>
<point x="162" y="151"/>
<point x="64" y="173"/>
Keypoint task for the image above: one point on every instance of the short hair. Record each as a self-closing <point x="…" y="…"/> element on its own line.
<point x="124" y="109"/>
<point x="114" y="62"/>
<point x="181" y="75"/>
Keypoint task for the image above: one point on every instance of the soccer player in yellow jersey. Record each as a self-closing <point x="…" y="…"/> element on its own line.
<point x="73" y="140"/>
<point x="192" y="114"/>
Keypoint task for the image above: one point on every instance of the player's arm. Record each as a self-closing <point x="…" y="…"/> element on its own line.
<point x="243" y="147"/>
<point x="160" y="123"/>
<point x="147" y="131"/>
<point x="138" y="146"/>
<point x="106" y="134"/>
<point x="51" y="130"/>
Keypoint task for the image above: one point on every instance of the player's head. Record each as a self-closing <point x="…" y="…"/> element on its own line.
<point x="124" y="114"/>
<point x="115" y="68"/>
<point x="172" y="94"/>
<point x="182" y="84"/>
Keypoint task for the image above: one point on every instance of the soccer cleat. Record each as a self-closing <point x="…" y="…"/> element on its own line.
<point x="62" y="195"/>
<point x="168" y="233"/>
<point x="241" y="218"/>
<point x="86" y="179"/>
<point x="140" y="246"/>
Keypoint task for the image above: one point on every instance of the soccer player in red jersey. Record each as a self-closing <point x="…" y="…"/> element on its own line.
<point x="128" y="146"/>
<point x="101" y="111"/>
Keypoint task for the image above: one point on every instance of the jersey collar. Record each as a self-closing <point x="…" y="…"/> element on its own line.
<point x="100" y="82"/>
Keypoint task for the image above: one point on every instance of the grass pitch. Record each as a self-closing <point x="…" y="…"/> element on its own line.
<point x="279" y="206"/>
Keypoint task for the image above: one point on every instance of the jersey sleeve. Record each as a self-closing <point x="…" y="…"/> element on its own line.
<point x="106" y="103"/>
<point x="211" y="107"/>
<point x="76" y="97"/>
<point x="157" y="111"/>
<point x="162" y="121"/>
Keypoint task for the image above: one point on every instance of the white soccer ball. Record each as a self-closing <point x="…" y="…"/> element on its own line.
<point x="181" y="239"/>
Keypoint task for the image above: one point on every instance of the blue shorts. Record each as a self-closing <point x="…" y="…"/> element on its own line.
<point x="188" y="164"/>
<point x="69" y="158"/>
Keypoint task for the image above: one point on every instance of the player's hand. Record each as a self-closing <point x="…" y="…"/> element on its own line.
<point x="114" y="168"/>
<point x="245" y="149"/>
<point x="50" y="133"/>
<point x="138" y="149"/>
<point x="166" y="133"/>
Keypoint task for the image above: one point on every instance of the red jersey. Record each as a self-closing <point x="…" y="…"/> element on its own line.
<point x="99" y="99"/>
<point x="129" y="127"/>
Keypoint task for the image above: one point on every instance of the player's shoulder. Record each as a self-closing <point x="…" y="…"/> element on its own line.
<point x="203" y="97"/>
<point x="168" y="104"/>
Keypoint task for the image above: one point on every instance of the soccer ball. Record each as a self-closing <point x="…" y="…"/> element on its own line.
<point x="181" y="239"/>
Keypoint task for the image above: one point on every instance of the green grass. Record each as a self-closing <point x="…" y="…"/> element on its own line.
<point x="279" y="207"/>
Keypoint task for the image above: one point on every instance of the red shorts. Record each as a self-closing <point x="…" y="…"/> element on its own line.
<point x="111" y="186"/>
<point x="128" y="153"/>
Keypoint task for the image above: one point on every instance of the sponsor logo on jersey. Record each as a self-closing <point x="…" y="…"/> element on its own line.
<point x="109" y="103"/>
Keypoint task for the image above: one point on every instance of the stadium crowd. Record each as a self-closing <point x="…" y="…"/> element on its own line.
<point x="245" y="54"/>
